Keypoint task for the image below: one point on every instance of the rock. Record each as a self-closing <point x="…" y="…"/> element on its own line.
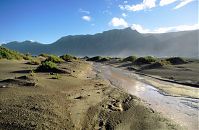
<point x="79" y="97"/>
<point x="3" y="86"/>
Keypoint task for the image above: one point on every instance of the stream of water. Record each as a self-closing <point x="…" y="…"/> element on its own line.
<point x="183" y="111"/>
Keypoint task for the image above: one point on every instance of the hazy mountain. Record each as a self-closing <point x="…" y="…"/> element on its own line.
<point x="117" y="42"/>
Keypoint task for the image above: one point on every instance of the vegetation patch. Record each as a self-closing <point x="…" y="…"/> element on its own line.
<point x="145" y="60"/>
<point x="176" y="60"/>
<point x="104" y="59"/>
<point x="34" y="62"/>
<point x="95" y="58"/>
<point x="10" y="54"/>
<point x="56" y="76"/>
<point x="47" y="66"/>
<point x="98" y="59"/>
<point x="54" y="59"/>
<point x="130" y="58"/>
<point x="67" y="57"/>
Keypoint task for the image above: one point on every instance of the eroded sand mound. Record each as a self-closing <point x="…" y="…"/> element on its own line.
<point x="21" y="81"/>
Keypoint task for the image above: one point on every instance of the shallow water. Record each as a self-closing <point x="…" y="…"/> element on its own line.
<point x="182" y="110"/>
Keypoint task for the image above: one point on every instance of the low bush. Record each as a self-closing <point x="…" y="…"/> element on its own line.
<point x="145" y="60"/>
<point x="98" y="59"/>
<point x="95" y="58"/>
<point x="27" y="57"/>
<point x="34" y="62"/>
<point x="44" y="55"/>
<point x="176" y="60"/>
<point x="10" y="54"/>
<point x="47" y="66"/>
<point x="130" y="58"/>
<point x="67" y="57"/>
<point x="56" y="76"/>
<point x="54" y="59"/>
<point x="164" y="62"/>
<point x="104" y="59"/>
<point x="32" y="73"/>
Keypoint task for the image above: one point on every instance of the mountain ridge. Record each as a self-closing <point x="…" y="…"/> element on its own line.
<point x="116" y="42"/>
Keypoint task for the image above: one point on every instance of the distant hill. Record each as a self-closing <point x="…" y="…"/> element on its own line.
<point x="117" y="42"/>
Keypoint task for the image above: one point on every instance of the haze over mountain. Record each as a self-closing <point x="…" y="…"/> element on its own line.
<point x="117" y="42"/>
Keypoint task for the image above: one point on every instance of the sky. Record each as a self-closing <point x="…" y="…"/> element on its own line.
<point x="46" y="21"/>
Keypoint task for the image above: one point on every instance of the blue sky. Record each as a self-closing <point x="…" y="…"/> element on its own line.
<point x="46" y="21"/>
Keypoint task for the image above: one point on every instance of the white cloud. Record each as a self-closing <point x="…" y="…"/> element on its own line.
<point x="186" y="27"/>
<point x="122" y="7"/>
<point x="176" y="28"/>
<point x="84" y="11"/>
<point x="32" y="40"/>
<point x="166" y="2"/>
<point x="183" y="3"/>
<point x="124" y="14"/>
<point x="86" y="18"/>
<point x="140" y="29"/>
<point x="146" y="4"/>
<point x="118" y="22"/>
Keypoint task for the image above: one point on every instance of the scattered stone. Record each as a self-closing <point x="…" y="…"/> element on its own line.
<point x="3" y="86"/>
<point x="79" y="97"/>
<point x="35" y="108"/>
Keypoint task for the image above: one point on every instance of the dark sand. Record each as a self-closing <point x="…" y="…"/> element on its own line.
<point x="78" y="100"/>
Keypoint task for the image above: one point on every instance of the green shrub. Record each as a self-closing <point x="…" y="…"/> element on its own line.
<point x="26" y="57"/>
<point x="165" y="62"/>
<point x="130" y="58"/>
<point x="32" y="73"/>
<point x="145" y="60"/>
<point x="176" y="60"/>
<point x="10" y="54"/>
<point x="34" y="62"/>
<point x="47" y="66"/>
<point x="67" y="57"/>
<point x="150" y="59"/>
<point x="104" y="59"/>
<point x="56" y="76"/>
<point x="54" y="59"/>
<point x="95" y="58"/>
<point x="44" y="55"/>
